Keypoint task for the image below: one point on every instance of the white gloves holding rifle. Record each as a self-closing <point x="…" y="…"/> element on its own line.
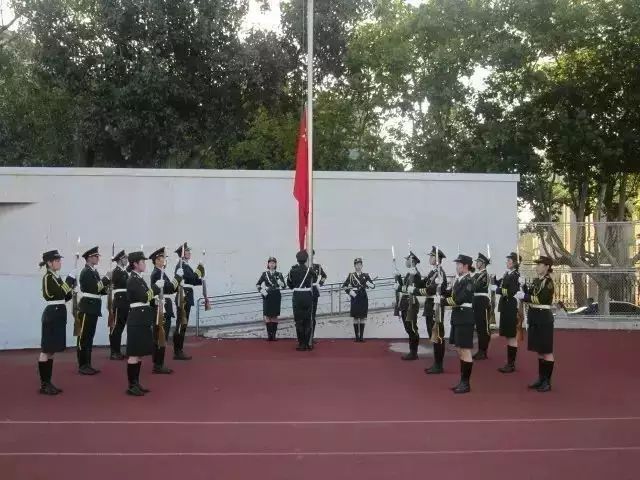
<point x="180" y="272"/>
<point x="519" y="295"/>
<point x="160" y="284"/>
<point x="264" y="292"/>
<point x="352" y="293"/>
<point x="494" y="288"/>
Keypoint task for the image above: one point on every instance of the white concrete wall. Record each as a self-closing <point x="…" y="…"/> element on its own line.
<point x="240" y="218"/>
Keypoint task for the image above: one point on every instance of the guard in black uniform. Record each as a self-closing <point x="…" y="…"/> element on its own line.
<point x="139" y="322"/>
<point x="481" y="306"/>
<point x="356" y="286"/>
<point x="119" y="278"/>
<point x="462" y="322"/>
<point x="507" y="287"/>
<point x="191" y="279"/>
<point x="430" y="287"/>
<point x="161" y="281"/>
<point x="269" y="285"/>
<point x="539" y="296"/>
<point x="300" y="279"/>
<point x="408" y="304"/>
<point x="56" y="293"/>
<point x="92" y="289"/>
<point x="321" y="278"/>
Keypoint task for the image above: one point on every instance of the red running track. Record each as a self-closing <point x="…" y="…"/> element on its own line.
<point x="248" y="409"/>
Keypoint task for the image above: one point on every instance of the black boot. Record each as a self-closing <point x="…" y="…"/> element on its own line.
<point x="510" y="366"/>
<point x="88" y="359"/>
<point x="50" y="375"/>
<point x="83" y="366"/>
<point x="134" y="389"/>
<point x="356" y="332"/>
<point x="274" y="331"/>
<point x="547" y="371"/>
<point x="142" y="389"/>
<point x="480" y="355"/>
<point x="302" y="346"/>
<point x="268" y="327"/>
<point x="438" y="355"/>
<point x="465" y="377"/>
<point x="413" y="352"/>
<point x="538" y="382"/>
<point x="158" y="362"/>
<point x="45" y="379"/>
<point x="362" y="331"/>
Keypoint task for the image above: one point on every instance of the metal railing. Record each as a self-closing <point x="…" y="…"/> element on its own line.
<point x="246" y="307"/>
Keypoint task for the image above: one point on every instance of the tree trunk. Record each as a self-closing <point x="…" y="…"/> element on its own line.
<point x="603" y="301"/>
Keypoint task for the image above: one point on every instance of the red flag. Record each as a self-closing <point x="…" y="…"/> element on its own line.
<point x="301" y="183"/>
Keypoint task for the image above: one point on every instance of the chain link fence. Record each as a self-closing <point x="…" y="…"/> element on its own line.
<point x="597" y="270"/>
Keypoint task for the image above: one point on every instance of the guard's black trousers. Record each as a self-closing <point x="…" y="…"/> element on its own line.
<point x="481" y="317"/>
<point x="410" y="322"/>
<point x="158" y="352"/>
<point x="302" y="315"/>
<point x="181" y="330"/>
<point x="85" y="339"/>
<point x="115" y="336"/>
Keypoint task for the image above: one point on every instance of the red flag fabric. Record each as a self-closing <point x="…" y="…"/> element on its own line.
<point x="301" y="183"/>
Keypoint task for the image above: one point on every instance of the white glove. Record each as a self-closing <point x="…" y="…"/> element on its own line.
<point x="264" y="292"/>
<point x="160" y="284"/>
<point x="352" y="293"/>
<point x="411" y="289"/>
<point x="437" y="299"/>
<point x="180" y="272"/>
<point x="521" y="281"/>
<point x="494" y="288"/>
<point x="317" y="285"/>
<point x="396" y="286"/>
<point x="370" y="285"/>
<point x="71" y="275"/>
<point x="438" y="281"/>
<point x="519" y="295"/>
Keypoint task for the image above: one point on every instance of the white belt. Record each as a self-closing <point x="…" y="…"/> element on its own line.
<point x="481" y="295"/>
<point x="166" y="297"/>
<point x="464" y="305"/>
<point x="301" y="289"/>
<point x="540" y="307"/>
<point x="90" y="295"/>
<point x="188" y="285"/>
<point x="119" y="290"/>
<point x="139" y="304"/>
<point x="430" y="297"/>
<point x="56" y="302"/>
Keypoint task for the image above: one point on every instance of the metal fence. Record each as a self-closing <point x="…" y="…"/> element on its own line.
<point x="597" y="264"/>
<point x="246" y="307"/>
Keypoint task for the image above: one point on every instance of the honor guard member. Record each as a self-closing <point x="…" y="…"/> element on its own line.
<point x="432" y="284"/>
<point x="300" y="279"/>
<point x="409" y="306"/>
<point x="539" y="296"/>
<point x="92" y="288"/>
<point x="356" y="286"/>
<point x="269" y="285"/>
<point x="481" y="306"/>
<point x="507" y="287"/>
<point x="139" y="322"/>
<point x="57" y="293"/>
<point x="191" y="279"/>
<point x="460" y="300"/>
<point x="119" y="279"/>
<point x="169" y="288"/>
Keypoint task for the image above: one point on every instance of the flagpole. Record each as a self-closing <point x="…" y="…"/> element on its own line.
<point x="310" y="125"/>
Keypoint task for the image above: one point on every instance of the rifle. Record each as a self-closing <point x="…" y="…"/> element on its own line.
<point x="112" y="317"/>
<point x="520" y="314"/>
<point x="161" y="341"/>
<point x="437" y="307"/>
<point x="207" y="302"/>
<point x="398" y="278"/>
<point x="491" y="321"/>
<point x="180" y="299"/>
<point x="77" y="324"/>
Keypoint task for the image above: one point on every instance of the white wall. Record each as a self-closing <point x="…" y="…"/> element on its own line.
<point x="240" y="218"/>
